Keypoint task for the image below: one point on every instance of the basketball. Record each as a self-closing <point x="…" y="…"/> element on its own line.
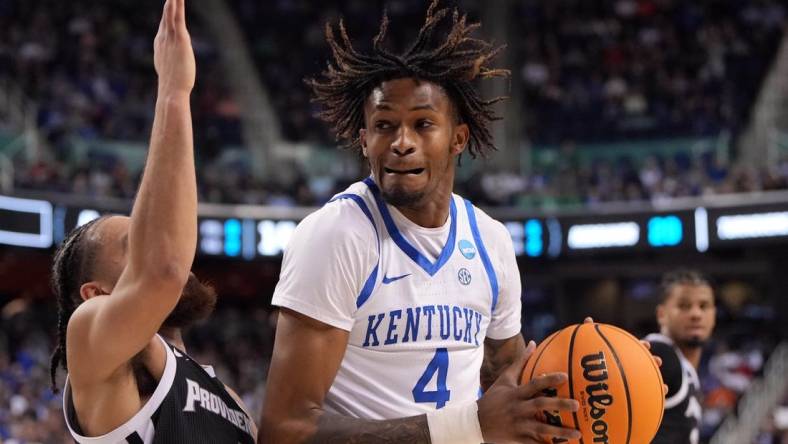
<point x="613" y="377"/>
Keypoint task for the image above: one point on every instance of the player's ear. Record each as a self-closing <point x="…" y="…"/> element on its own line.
<point x="362" y="140"/>
<point x="460" y="139"/>
<point x="91" y="289"/>
<point x="660" y="314"/>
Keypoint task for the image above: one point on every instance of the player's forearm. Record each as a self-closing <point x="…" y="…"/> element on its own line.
<point x="163" y="232"/>
<point x="334" y="428"/>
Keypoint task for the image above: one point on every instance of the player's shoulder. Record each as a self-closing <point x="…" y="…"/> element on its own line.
<point x="344" y="217"/>
<point x="663" y="347"/>
<point x="488" y="226"/>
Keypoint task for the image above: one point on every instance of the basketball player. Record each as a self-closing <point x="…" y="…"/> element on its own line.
<point x="686" y="316"/>
<point x="401" y="300"/>
<point x="119" y="280"/>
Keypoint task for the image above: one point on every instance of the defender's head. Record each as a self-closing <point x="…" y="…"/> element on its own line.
<point x="686" y="312"/>
<point x="89" y="263"/>
<point x="413" y="114"/>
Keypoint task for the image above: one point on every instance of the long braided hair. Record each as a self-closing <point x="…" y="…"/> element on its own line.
<point x="453" y="63"/>
<point x="72" y="266"/>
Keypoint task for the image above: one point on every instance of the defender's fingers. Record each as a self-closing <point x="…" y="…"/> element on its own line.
<point x="536" y="385"/>
<point x="588" y="320"/>
<point x="180" y="12"/>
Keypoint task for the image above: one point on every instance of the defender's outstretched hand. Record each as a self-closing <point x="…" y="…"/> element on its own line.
<point x="173" y="55"/>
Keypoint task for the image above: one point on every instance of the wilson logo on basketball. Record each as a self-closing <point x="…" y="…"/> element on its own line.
<point x="595" y="372"/>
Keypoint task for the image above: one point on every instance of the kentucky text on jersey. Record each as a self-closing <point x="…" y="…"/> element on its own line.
<point x="212" y="403"/>
<point x="425" y="323"/>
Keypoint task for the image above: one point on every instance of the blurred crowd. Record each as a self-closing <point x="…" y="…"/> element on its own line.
<point x="602" y="70"/>
<point x="237" y="342"/>
<point x="570" y="183"/>
<point x="590" y="71"/>
<point x="88" y="65"/>
<point x="655" y="178"/>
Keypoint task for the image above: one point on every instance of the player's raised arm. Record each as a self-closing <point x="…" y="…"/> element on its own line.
<point x="162" y="233"/>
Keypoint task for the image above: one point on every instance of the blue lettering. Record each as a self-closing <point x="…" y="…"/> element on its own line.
<point x="478" y="327"/>
<point x="429" y="310"/>
<point x="393" y="326"/>
<point x="457" y="334"/>
<point x="468" y="322"/>
<point x="412" y="325"/>
<point x="445" y="321"/>
<point x="372" y="330"/>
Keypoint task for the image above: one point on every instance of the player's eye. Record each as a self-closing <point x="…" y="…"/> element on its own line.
<point x="423" y="123"/>
<point x="382" y="125"/>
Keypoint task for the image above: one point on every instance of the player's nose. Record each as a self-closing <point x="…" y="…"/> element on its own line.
<point x="404" y="143"/>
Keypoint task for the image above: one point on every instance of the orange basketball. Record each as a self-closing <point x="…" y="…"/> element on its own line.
<point x="613" y="377"/>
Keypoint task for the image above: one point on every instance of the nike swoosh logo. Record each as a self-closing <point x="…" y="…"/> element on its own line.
<point x="388" y="280"/>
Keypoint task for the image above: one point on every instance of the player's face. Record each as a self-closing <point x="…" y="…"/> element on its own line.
<point x="412" y="140"/>
<point x="688" y="314"/>
<point x="110" y="236"/>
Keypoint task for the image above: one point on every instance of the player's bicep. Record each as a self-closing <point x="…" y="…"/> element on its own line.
<point x="105" y="332"/>
<point x="307" y="355"/>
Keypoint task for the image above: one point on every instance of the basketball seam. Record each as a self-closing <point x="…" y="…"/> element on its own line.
<point x="569" y="371"/>
<point x="659" y="375"/>
<point x="623" y="378"/>
<point x="541" y="352"/>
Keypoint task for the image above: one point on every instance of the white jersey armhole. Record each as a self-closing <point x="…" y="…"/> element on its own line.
<point x="141" y="420"/>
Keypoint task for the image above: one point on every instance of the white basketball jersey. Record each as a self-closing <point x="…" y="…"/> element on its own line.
<point x="417" y="326"/>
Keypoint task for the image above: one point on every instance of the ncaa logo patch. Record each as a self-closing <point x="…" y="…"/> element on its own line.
<point x="467" y="249"/>
<point x="464" y="276"/>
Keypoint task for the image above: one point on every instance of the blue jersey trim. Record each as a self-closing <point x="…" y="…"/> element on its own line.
<point x="404" y="245"/>
<point x="369" y="285"/>
<point x="483" y="253"/>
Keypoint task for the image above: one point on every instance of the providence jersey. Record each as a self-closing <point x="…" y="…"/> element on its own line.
<point x="417" y="321"/>
<point x="682" y="404"/>
<point x="189" y="405"/>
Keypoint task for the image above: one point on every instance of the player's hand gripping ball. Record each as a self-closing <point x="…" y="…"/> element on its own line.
<point x="613" y="377"/>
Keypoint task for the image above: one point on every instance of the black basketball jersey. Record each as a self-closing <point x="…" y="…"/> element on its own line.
<point x="189" y="405"/>
<point x="683" y="403"/>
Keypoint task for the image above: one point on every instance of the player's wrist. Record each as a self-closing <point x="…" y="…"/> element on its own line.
<point x="457" y="424"/>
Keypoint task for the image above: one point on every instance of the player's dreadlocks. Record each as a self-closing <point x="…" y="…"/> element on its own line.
<point x="73" y="266"/>
<point x="453" y="64"/>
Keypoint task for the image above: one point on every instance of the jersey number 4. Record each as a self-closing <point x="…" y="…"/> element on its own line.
<point x="440" y="365"/>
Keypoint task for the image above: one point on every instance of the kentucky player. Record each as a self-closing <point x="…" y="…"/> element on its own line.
<point x="401" y="300"/>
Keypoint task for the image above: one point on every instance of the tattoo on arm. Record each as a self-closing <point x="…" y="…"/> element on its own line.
<point x="342" y="429"/>
<point x="498" y="355"/>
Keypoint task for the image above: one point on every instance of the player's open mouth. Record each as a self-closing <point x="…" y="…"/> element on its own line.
<point x="411" y="171"/>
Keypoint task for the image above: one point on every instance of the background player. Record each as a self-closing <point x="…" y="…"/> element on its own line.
<point x="120" y="280"/>
<point x="686" y="316"/>
<point x="398" y="297"/>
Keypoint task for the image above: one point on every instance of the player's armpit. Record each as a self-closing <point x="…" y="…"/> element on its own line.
<point x="341" y="429"/>
<point x="498" y="355"/>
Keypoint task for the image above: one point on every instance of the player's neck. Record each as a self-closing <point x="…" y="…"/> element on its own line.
<point x="433" y="211"/>
<point x="692" y="354"/>
<point x="173" y="336"/>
